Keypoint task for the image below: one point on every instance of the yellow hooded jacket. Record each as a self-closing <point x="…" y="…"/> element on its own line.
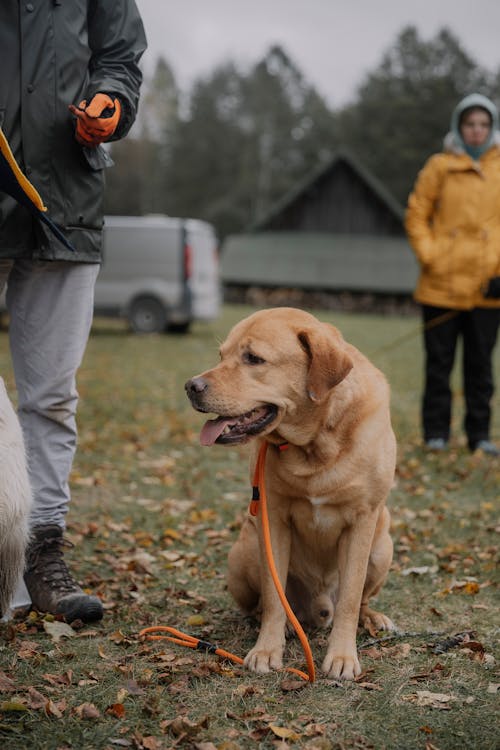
<point x="453" y="225"/>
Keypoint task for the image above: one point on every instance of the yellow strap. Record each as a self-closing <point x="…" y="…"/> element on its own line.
<point x="23" y="181"/>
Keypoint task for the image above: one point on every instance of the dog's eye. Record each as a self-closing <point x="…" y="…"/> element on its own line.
<point x="252" y="359"/>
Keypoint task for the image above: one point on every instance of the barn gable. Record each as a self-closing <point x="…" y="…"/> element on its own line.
<point x="339" y="197"/>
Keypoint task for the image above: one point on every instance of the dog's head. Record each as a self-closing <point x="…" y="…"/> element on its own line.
<point x="275" y="365"/>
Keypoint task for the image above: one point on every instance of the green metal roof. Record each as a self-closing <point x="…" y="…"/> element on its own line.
<point x="319" y="260"/>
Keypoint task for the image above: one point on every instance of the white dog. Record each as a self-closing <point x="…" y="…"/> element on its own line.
<point x="15" y="501"/>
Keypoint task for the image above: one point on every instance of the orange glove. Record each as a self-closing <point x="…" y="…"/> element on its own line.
<point x="97" y="121"/>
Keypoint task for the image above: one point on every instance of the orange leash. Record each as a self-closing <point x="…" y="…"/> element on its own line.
<point x="183" y="639"/>
<point x="259" y="480"/>
<point x="259" y="498"/>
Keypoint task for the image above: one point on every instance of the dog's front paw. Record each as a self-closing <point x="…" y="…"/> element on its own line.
<point x="371" y="620"/>
<point x="264" y="660"/>
<point x="341" y="666"/>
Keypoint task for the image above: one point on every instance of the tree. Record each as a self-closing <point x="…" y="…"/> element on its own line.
<point x="242" y="140"/>
<point x="137" y="184"/>
<point x="247" y="139"/>
<point x="403" y="108"/>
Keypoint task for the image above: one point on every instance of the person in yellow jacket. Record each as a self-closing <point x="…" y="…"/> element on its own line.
<point x="453" y="225"/>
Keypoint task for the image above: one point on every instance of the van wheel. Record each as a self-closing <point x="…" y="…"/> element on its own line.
<point x="147" y="315"/>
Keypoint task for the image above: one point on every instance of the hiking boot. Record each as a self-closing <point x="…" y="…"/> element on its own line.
<point x="49" y="582"/>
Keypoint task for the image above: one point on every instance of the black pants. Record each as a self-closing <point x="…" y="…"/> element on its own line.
<point x="442" y="328"/>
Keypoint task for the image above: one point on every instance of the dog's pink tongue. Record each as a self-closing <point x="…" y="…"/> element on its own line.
<point x="212" y="429"/>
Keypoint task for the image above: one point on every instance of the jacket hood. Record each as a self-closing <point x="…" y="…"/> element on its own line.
<point x="454" y="141"/>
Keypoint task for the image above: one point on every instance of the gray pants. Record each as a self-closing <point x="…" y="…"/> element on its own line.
<point x="50" y="305"/>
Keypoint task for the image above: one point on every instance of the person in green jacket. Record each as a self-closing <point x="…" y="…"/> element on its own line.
<point x="69" y="81"/>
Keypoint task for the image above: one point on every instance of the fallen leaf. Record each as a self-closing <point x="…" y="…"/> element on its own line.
<point x="369" y="685"/>
<point x="243" y="690"/>
<point x="431" y="700"/>
<point x="59" y="679"/>
<point x="195" y="620"/>
<point x="420" y="571"/>
<point x="55" y="710"/>
<point x="36" y="699"/>
<point x="426" y="729"/>
<point x="172" y="534"/>
<point x="151" y="743"/>
<point x="8" y="706"/>
<point x="399" y="651"/>
<point x="285" y="733"/>
<point x="7" y="685"/>
<point x="87" y="711"/>
<point x="28" y="650"/>
<point x="102" y="653"/>
<point x="452" y="641"/>
<point x="316" y="730"/>
<point x="289" y="684"/>
<point x="182" y="726"/>
<point x="58" y="630"/>
<point x="433" y="672"/>
<point x="470" y="588"/>
<point x="117" y="710"/>
<point x="121" y="695"/>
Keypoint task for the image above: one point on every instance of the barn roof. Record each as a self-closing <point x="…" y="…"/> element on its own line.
<point x="300" y="191"/>
<point x="319" y="260"/>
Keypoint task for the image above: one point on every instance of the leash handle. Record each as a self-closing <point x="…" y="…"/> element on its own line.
<point x="189" y="641"/>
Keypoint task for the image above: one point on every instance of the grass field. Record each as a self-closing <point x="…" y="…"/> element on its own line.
<point x="152" y="519"/>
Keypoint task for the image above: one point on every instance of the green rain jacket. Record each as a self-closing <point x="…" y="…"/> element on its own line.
<point x="55" y="53"/>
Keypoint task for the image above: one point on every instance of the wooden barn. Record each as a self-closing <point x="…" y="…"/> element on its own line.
<point x="340" y="230"/>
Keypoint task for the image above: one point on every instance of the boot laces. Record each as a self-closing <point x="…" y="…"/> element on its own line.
<point x="46" y="561"/>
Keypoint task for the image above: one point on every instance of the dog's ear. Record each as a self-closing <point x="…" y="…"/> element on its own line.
<point x="329" y="363"/>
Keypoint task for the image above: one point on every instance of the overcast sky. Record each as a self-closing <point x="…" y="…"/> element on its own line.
<point x="334" y="43"/>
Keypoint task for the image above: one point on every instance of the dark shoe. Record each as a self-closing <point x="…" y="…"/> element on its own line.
<point x="487" y="447"/>
<point x="49" y="582"/>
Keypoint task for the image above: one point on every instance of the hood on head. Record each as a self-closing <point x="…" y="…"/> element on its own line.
<point x="473" y="100"/>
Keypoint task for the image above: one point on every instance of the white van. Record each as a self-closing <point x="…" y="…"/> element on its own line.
<point x="158" y="272"/>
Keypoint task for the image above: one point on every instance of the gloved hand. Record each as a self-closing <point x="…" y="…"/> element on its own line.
<point x="493" y="288"/>
<point x="97" y="121"/>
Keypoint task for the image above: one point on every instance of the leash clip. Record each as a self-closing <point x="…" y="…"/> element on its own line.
<point x="254" y="502"/>
<point x="211" y="648"/>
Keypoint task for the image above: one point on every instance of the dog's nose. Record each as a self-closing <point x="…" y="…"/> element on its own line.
<point x="195" y="386"/>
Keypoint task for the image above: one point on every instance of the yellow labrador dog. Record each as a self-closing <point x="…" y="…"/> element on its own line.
<point x="290" y="380"/>
<point x="15" y="502"/>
